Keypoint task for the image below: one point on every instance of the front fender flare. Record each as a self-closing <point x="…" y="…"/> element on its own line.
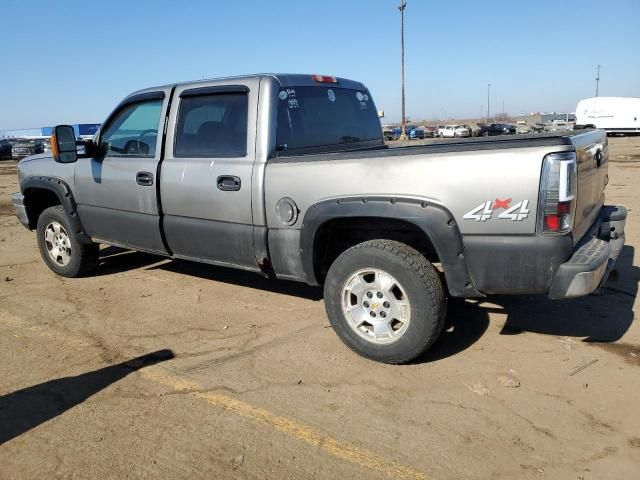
<point x="433" y="219"/>
<point x="60" y="188"/>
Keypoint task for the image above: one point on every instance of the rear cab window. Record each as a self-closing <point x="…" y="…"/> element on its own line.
<point x="315" y="119"/>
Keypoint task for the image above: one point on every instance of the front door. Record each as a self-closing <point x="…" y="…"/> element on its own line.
<point x="116" y="191"/>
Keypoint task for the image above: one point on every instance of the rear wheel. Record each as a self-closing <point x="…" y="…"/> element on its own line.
<point x="60" y="246"/>
<point x="385" y="301"/>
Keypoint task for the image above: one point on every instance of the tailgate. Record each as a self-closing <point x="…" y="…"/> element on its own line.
<point x="592" y="154"/>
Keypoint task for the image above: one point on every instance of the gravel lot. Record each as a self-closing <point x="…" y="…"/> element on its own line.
<point x="164" y="369"/>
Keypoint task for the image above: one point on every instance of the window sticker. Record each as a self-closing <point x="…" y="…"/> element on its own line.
<point x="283" y="95"/>
<point x="293" y="103"/>
<point x="332" y="95"/>
<point x="359" y="96"/>
<point x="366" y="97"/>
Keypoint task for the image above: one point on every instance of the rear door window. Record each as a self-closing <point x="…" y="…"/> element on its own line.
<point x="212" y="126"/>
<point x="315" y="117"/>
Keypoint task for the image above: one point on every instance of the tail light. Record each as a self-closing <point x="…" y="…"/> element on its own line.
<point x="558" y="191"/>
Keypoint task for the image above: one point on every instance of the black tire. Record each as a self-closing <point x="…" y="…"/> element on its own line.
<point x="423" y="289"/>
<point x="83" y="256"/>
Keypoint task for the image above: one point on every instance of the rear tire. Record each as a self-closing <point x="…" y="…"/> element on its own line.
<point x="385" y="301"/>
<point x="60" y="245"/>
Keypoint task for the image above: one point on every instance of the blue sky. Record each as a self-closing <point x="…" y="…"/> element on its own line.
<point x="72" y="61"/>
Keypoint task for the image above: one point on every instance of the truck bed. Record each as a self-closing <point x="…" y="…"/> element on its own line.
<point x="447" y="145"/>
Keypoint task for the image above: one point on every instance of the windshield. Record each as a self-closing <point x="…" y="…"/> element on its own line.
<point x="317" y="117"/>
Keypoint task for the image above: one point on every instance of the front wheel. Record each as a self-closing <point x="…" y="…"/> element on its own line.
<point x="60" y="246"/>
<point x="385" y="301"/>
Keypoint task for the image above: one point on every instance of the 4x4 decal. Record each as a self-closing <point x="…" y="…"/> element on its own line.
<point x="483" y="212"/>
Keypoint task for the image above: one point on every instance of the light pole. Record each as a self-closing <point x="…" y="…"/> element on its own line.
<point x="488" y="101"/>
<point x="597" y="80"/>
<point x="403" y="129"/>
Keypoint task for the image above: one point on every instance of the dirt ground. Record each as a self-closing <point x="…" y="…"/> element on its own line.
<point x="160" y="369"/>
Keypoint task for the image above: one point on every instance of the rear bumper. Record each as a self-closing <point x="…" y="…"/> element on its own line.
<point x="17" y="199"/>
<point x="594" y="258"/>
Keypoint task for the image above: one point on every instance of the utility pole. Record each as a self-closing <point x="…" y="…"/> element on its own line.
<point x="597" y="80"/>
<point x="488" y="101"/>
<point x="503" y="106"/>
<point x="403" y="130"/>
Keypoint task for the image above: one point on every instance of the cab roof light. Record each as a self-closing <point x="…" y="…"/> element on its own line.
<point x="324" y="79"/>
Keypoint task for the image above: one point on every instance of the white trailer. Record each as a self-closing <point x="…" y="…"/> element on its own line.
<point x="613" y="114"/>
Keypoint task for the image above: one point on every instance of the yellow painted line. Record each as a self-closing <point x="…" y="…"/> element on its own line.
<point x="304" y="433"/>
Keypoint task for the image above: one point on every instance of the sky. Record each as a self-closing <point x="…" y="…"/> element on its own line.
<point x="72" y="61"/>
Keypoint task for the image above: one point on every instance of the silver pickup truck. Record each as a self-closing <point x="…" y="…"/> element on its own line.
<point x="289" y="176"/>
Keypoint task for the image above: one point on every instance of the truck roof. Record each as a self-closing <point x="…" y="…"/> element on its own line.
<point x="284" y="79"/>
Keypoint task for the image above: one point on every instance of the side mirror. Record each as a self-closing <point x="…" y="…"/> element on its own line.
<point x="63" y="144"/>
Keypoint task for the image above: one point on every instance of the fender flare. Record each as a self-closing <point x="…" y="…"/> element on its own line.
<point x="62" y="190"/>
<point x="433" y="219"/>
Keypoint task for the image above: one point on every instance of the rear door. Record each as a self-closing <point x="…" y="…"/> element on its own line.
<point x="116" y="190"/>
<point x="206" y="174"/>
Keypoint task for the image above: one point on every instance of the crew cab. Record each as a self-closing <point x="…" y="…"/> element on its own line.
<point x="288" y="176"/>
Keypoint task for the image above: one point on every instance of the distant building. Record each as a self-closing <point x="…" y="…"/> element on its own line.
<point x="81" y="129"/>
<point x="548" y="117"/>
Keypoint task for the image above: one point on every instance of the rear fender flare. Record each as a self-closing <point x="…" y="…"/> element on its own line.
<point x="433" y="219"/>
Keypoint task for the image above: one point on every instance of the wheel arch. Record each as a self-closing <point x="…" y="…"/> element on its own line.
<point x="426" y="224"/>
<point x="42" y="192"/>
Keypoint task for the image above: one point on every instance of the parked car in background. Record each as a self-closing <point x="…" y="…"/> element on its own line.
<point x="387" y="132"/>
<point x="22" y="149"/>
<point x="415" y="133"/>
<point x="454" y="131"/>
<point x="523" y="127"/>
<point x="497" y="129"/>
<point x="559" y="126"/>
<point x="5" y="150"/>
<point x="430" y="132"/>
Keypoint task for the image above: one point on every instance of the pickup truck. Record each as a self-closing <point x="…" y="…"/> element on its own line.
<point x="288" y="176"/>
<point x="497" y="129"/>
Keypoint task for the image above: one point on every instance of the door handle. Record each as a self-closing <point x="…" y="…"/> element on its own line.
<point x="144" y="178"/>
<point x="228" y="183"/>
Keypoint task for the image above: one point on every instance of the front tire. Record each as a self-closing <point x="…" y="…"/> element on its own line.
<point x="385" y="301"/>
<point x="60" y="245"/>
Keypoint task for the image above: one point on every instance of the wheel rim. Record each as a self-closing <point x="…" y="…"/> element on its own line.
<point x="58" y="244"/>
<point x="376" y="306"/>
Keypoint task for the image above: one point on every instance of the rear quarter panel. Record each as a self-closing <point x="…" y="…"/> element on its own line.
<point x="460" y="181"/>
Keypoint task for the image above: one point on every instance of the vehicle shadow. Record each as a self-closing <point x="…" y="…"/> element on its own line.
<point x="115" y="260"/>
<point x="241" y="278"/>
<point x="603" y="318"/>
<point x="464" y="326"/>
<point x="24" y="409"/>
